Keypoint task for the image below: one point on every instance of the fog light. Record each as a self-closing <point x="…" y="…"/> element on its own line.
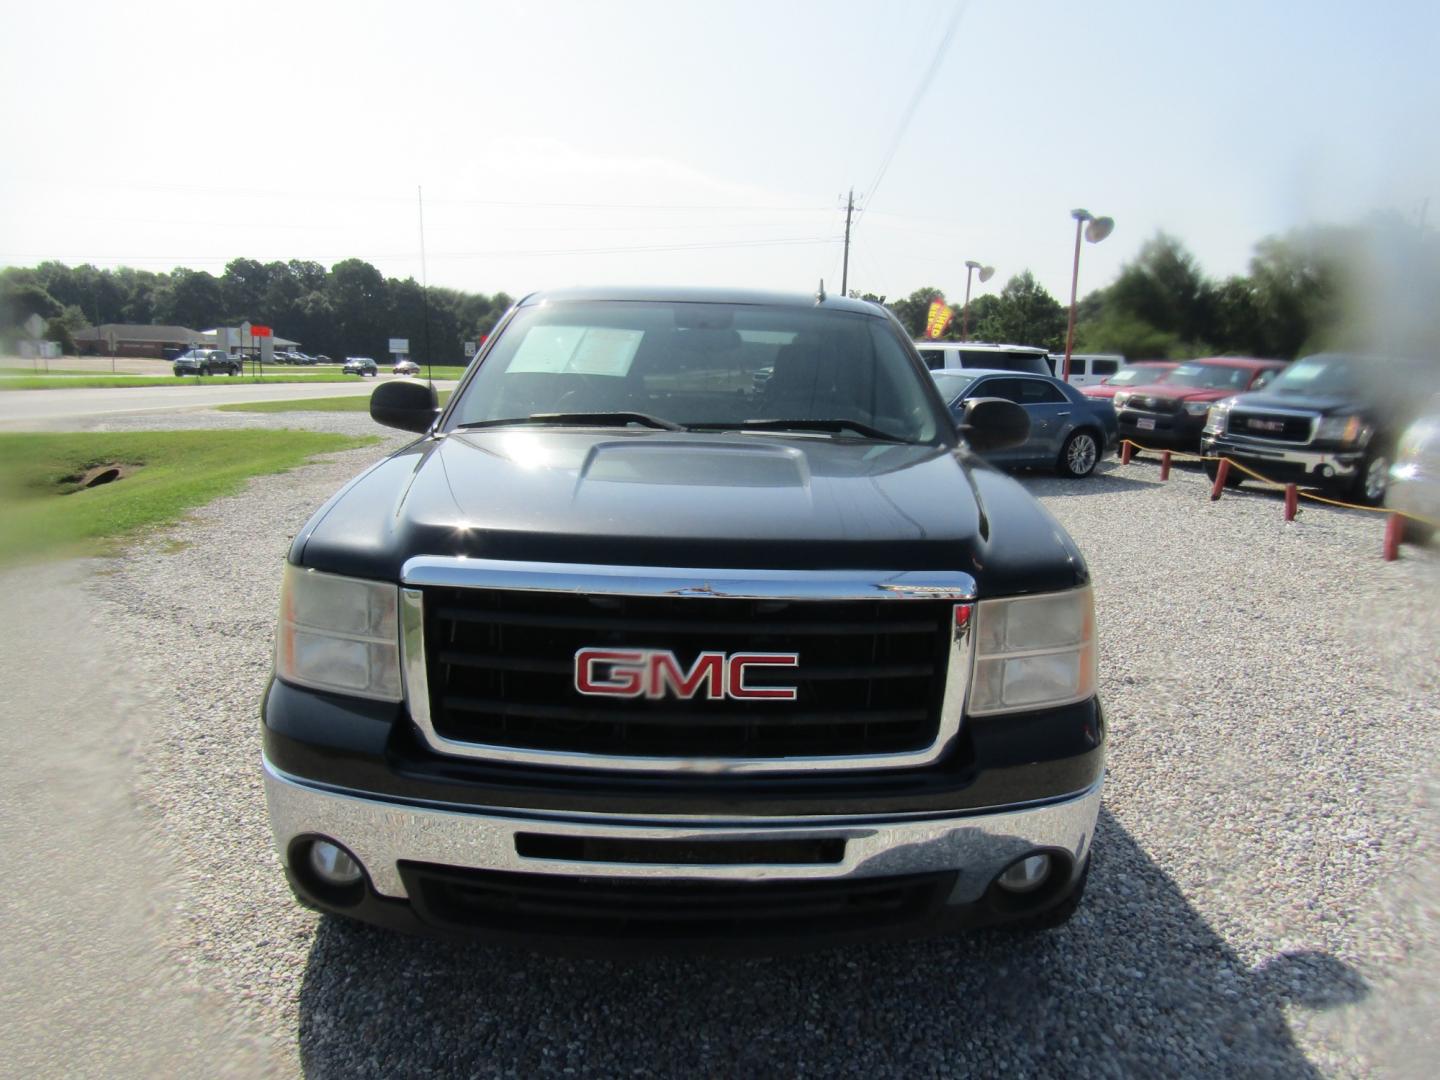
<point x="332" y="864"/>
<point x="1026" y="875"/>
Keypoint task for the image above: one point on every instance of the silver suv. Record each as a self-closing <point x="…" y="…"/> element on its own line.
<point x="949" y="355"/>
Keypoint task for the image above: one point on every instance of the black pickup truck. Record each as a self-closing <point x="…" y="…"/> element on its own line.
<point x="1330" y="420"/>
<point x="629" y="649"/>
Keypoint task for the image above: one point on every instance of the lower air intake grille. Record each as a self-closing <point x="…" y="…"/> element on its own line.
<point x="617" y="908"/>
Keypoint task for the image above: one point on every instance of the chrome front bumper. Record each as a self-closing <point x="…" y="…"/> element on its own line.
<point x="382" y="833"/>
<point x="1341" y="464"/>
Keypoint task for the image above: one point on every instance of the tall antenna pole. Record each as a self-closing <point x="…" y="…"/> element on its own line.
<point x="425" y="290"/>
<point x="845" y="268"/>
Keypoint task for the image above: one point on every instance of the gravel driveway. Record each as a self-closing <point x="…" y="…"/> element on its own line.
<point x="1262" y="900"/>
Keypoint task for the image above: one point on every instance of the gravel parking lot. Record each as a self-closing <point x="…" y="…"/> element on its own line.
<point x="1262" y="901"/>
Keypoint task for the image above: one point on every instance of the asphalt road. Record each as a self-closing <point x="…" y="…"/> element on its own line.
<point x="33" y="410"/>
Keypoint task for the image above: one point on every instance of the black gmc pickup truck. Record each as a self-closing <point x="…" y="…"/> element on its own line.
<point x="631" y="648"/>
<point x="1330" y="420"/>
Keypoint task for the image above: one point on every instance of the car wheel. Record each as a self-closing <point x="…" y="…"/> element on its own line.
<point x="203" y="370"/>
<point x="1373" y="479"/>
<point x="1233" y="479"/>
<point x="1079" y="455"/>
<point x="1416" y="532"/>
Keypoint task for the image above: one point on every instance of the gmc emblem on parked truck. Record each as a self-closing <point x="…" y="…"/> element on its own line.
<point x="656" y="673"/>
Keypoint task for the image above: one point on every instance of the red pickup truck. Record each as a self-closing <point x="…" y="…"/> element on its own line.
<point x="1145" y="373"/>
<point x="1172" y="414"/>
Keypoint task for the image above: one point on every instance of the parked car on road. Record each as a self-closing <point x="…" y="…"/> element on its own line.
<point x="1171" y="415"/>
<point x="953" y="355"/>
<point x="359" y="365"/>
<point x="1415" y="476"/>
<point x="1331" y="419"/>
<point x="406" y="367"/>
<point x="1068" y="431"/>
<point x="206" y="362"/>
<point x="1144" y="373"/>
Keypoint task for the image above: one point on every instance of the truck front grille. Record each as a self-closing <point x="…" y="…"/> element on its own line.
<point x="870" y="675"/>
<point x="1276" y="427"/>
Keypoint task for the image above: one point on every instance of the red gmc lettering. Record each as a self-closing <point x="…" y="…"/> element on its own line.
<point x="656" y="673"/>
<point x="740" y="661"/>
<point x="664" y="671"/>
<point x="625" y="677"/>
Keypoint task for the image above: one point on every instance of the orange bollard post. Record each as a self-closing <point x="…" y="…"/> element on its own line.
<point x="1394" y="527"/>
<point x="1126" y="448"/>
<point x="1165" y="465"/>
<point x="1222" y="473"/>
<point x="1292" y="501"/>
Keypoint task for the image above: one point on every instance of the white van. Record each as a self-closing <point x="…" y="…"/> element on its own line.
<point x="942" y="355"/>
<point x="1088" y="369"/>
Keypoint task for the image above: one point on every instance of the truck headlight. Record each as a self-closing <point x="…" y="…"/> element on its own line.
<point x="1033" y="651"/>
<point x="339" y="633"/>
<point x="1121" y="399"/>
<point x="1343" y="429"/>
<point x="1197" y="408"/>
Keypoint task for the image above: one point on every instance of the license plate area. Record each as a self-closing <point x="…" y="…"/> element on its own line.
<point x="1145" y="424"/>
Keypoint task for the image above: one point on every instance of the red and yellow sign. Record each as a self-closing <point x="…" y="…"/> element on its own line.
<point x="939" y="317"/>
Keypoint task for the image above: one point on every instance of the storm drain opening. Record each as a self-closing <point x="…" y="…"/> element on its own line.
<point x="95" y="476"/>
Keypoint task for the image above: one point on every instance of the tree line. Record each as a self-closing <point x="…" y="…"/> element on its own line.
<point x="1369" y="287"/>
<point x="351" y="309"/>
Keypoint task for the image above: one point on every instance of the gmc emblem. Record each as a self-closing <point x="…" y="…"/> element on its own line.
<point x="656" y="673"/>
<point x="1267" y="425"/>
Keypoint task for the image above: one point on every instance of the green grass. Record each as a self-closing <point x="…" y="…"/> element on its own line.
<point x="355" y="403"/>
<point x="41" y="371"/>
<point x="74" y="382"/>
<point x="172" y="472"/>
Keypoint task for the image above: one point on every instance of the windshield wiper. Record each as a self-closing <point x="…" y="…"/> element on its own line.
<point x="838" y="426"/>
<point x="581" y="419"/>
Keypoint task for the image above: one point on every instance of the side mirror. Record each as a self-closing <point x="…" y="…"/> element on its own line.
<point x="993" y="424"/>
<point x="408" y="406"/>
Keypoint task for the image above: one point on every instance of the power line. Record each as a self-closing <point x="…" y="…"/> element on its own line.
<point x="920" y="90"/>
<point x="782" y="242"/>
<point x="373" y="195"/>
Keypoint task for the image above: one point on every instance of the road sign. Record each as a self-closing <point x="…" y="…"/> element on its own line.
<point x="35" y="326"/>
<point x="471" y="348"/>
<point x="399" y="345"/>
<point x="257" y="330"/>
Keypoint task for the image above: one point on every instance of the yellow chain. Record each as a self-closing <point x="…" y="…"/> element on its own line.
<point x="1421" y="518"/>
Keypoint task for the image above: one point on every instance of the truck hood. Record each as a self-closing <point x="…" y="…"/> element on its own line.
<point x="691" y="500"/>
<point x="1327" y="405"/>
<point x="1176" y="393"/>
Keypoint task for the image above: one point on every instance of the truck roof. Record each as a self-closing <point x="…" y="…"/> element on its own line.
<point x="673" y="294"/>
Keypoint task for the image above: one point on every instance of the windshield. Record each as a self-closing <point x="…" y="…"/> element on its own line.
<point x="1138" y="374"/>
<point x="952" y="385"/>
<point x="1211" y="376"/>
<point x="1322" y="375"/>
<point x="699" y="365"/>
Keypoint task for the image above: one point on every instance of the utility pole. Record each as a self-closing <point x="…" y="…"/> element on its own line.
<point x="845" y="268"/>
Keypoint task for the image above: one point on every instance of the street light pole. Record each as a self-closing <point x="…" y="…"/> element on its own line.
<point x="985" y="272"/>
<point x="1095" y="229"/>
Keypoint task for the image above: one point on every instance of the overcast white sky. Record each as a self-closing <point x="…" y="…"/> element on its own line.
<point x="567" y="143"/>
